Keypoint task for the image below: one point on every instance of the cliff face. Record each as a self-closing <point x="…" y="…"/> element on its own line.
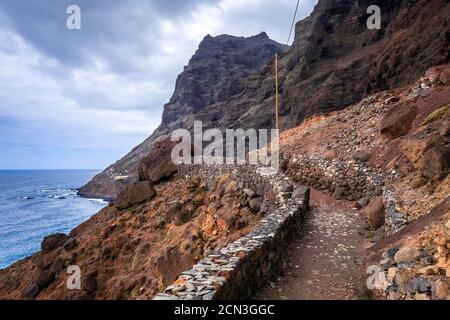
<point x="218" y="73"/>
<point x="334" y="62"/>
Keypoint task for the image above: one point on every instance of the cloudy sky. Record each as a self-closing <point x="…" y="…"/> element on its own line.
<point x="72" y="99"/>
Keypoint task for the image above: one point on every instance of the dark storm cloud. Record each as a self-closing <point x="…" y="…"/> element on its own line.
<point x="119" y="22"/>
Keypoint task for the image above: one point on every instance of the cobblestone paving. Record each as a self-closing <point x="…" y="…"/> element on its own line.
<point x="326" y="259"/>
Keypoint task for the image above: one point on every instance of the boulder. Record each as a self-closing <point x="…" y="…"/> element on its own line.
<point x="421" y="92"/>
<point x="391" y="274"/>
<point x="361" y="156"/>
<point x="440" y="290"/>
<point x="439" y="75"/>
<point x="158" y="165"/>
<point x="435" y="163"/>
<point x="407" y="254"/>
<point x="390" y="253"/>
<point x="438" y="114"/>
<point x="414" y="148"/>
<point x="374" y="213"/>
<point x="339" y="192"/>
<point x="398" y="120"/>
<point x="447" y="225"/>
<point x="53" y="242"/>
<point x="222" y="182"/>
<point x="193" y="183"/>
<point x="137" y="193"/>
<point x="231" y="188"/>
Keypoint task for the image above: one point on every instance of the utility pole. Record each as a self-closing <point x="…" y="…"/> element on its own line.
<point x="276" y="92"/>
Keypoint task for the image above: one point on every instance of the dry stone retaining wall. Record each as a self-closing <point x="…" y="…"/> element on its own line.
<point x="349" y="179"/>
<point x="346" y="179"/>
<point x="246" y="264"/>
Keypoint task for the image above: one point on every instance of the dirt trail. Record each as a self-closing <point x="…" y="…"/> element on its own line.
<point x="326" y="259"/>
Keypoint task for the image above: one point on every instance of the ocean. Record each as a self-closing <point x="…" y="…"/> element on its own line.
<point x="34" y="204"/>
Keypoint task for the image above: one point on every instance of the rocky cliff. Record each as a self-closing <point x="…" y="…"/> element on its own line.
<point x="217" y="74"/>
<point x="335" y="61"/>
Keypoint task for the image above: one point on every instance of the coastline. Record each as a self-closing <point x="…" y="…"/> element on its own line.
<point x="37" y="203"/>
<point x="94" y="196"/>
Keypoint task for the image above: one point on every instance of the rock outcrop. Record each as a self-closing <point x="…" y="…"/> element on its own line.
<point x="417" y="267"/>
<point x="158" y="165"/>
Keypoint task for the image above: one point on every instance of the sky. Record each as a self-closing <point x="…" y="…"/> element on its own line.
<point x="81" y="99"/>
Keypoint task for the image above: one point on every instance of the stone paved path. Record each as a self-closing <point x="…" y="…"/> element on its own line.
<point x="326" y="259"/>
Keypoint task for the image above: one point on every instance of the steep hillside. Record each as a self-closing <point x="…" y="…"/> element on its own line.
<point x="388" y="154"/>
<point x="334" y="62"/>
<point x="137" y="246"/>
<point x="393" y="144"/>
<point x="388" y="157"/>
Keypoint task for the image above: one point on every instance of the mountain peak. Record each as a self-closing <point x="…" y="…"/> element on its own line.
<point x="261" y="35"/>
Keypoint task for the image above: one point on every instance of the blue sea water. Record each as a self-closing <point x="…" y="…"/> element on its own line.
<point x="34" y="204"/>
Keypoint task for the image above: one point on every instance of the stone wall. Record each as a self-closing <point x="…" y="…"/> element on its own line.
<point x="350" y="179"/>
<point x="344" y="179"/>
<point x="247" y="264"/>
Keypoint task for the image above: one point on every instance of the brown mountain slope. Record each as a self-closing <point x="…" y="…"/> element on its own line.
<point x="136" y="251"/>
<point x="334" y="62"/>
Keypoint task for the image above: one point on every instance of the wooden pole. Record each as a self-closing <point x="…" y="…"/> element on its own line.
<point x="276" y="92"/>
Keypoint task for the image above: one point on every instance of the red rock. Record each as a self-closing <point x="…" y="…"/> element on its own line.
<point x="53" y="241"/>
<point x="158" y="165"/>
<point x="361" y="156"/>
<point x="435" y="163"/>
<point x="398" y="120"/>
<point x="375" y="213"/>
<point x="407" y="254"/>
<point x="444" y="76"/>
<point x="441" y="290"/>
<point x="137" y="193"/>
